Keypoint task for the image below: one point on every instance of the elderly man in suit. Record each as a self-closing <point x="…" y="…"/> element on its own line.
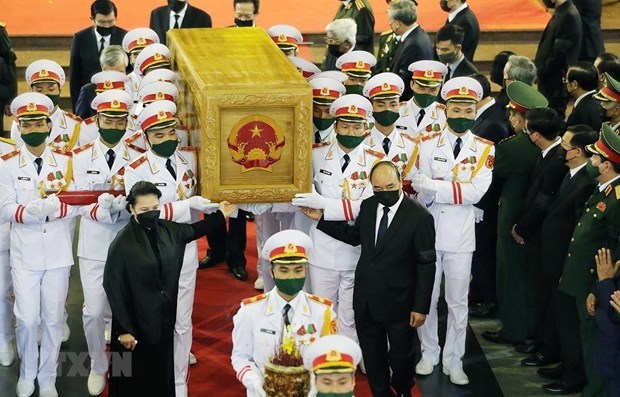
<point x="459" y="14"/>
<point x="177" y="14"/>
<point x="393" y="278"/>
<point x="88" y="43"/>
<point x="582" y="83"/>
<point x="449" y="48"/>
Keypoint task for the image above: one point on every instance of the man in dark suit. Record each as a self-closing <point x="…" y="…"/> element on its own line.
<point x="558" y="48"/>
<point x="393" y="280"/>
<point x="461" y="15"/>
<point x="543" y="127"/>
<point x="560" y="337"/>
<point x="581" y="83"/>
<point x="449" y="48"/>
<point x="177" y="14"/>
<point x="8" y="84"/>
<point x="592" y="38"/>
<point x="88" y="43"/>
<point x="414" y="44"/>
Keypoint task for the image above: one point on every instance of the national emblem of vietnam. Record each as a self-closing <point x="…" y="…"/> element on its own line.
<point x="256" y="142"/>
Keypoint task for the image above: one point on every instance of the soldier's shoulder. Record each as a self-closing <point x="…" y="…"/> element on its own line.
<point x="10" y="155"/>
<point x="320" y="145"/>
<point x="324" y="301"/>
<point x="90" y="120"/>
<point x="187" y="149"/>
<point x="485" y="141"/>
<point x="440" y="106"/>
<point x="182" y="128"/>
<point x="2" y="24"/>
<point x="431" y="136"/>
<point x="409" y="137"/>
<point x="254" y="299"/>
<point x="66" y="153"/>
<point x="83" y="148"/>
<point x="374" y="153"/>
<point x="138" y="162"/>
<point x="74" y="117"/>
<point x="386" y="33"/>
<point x="8" y="141"/>
<point x="360" y="4"/>
<point x="617" y="190"/>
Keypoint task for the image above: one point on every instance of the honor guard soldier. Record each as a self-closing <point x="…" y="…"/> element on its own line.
<point x="261" y="322"/>
<point x="152" y="57"/>
<point x="423" y="114"/>
<point x="455" y="172"/>
<point x="103" y="81"/>
<point x="287" y="38"/>
<point x="47" y="77"/>
<point x="40" y="225"/>
<point x="324" y="92"/>
<point x="333" y="359"/>
<point x="341" y="182"/>
<point x="173" y="170"/>
<point x="357" y="65"/>
<point x="156" y="75"/>
<point x="609" y="96"/>
<point x="162" y="91"/>
<point x="99" y="166"/>
<point x="306" y="68"/>
<point x="133" y="43"/>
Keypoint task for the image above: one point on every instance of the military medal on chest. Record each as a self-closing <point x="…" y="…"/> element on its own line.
<point x="463" y="172"/>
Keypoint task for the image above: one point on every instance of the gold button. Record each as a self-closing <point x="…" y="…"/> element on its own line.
<point x="572" y="239"/>
<point x="579" y="224"/>
<point x="569" y="255"/>
<point x="588" y="210"/>
<point x="591" y="271"/>
<point x="594" y="215"/>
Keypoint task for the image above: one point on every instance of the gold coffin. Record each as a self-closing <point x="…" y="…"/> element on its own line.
<point x="248" y="111"/>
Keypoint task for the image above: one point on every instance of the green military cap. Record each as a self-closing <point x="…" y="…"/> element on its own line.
<point x="524" y="97"/>
<point x="611" y="91"/>
<point x="608" y="145"/>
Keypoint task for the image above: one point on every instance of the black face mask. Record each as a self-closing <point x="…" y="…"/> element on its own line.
<point x="148" y="219"/>
<point x="334" y="49"/>
<point x="387" y="197"/>
<point x="244" y="24"/>
<point x="105" y="31"/>
<point x="549" y="4"/>
<point x="176" y="5"/>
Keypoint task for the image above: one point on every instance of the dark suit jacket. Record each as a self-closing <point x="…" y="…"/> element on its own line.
<point x="588" y="111"/>
<point x="592" y="38"/>
<point x="492" y="124"/>
<point x="560" y="221"/>
<point x="465" y="68"/>
<point x="86" y="96"/>
<point x="543" y="187"/>
<point x="396" y="277"/>
<point x="416" y="47"/>
<point x="84" y="60"/>
<point x="467" y="20"/>
<point x="194" y="18"/>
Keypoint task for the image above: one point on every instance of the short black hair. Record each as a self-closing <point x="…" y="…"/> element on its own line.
<point x="608" y="56"/>
<point x="142" y="188"/>
<point x="451" y="32"/>
<point x="611" y="67"/>
<point x="498" y="65"/>
<point x="484" y="82"/>
<point x="546" y="121"/>
<point x="256" y="4"/>
<point x="384" y="163"/>
<point x="583" y="135"/>
<point x="584" y="73"/>
<point x="103" y="7"/>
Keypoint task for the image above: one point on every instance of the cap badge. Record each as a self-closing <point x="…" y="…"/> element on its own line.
<point x="352" y="109"/>
<point x="115" y="104"/>
<point x="31" y="107"/>
<point x="141" y="41"/>
<point x="161" y="115"/>
<point x="108" y="85"/>
<point x="43" y="73"/>
<point x="360" y="65"/>
<point x="159" y="96"/>
<point x="282" y="38"/>
<point x="333" y="355"/>
<point x="290" y="248"/>
<point x="324" y="91"/>
<point x="385" y="87"/>
<point x="429" y="73"/>
<point x="158" y="57"/>
<point x="463" y="91"/>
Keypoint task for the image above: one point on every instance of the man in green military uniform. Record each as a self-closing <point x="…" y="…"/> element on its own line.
<point x="609" y="96"/>
<point x="8" y="79"/>
<point x="515" y="160"/>
<point x="388" y="43"/>
<point x="598" y="227"/>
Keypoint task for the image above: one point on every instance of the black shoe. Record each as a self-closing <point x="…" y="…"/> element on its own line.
<point x="527" y="348"/>
<point x="239" y="273"/>
<point x="495" y="337"/>
<point x="551" y="373"/>
<point x="560" y="388"/>
<point x="210" y="260"/>
<point x="483" y="310"/>
<point x="537" y="360"/>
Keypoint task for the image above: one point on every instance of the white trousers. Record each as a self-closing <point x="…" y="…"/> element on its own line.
<point x="338" y="287"/>
<point x="183" y="331"/>
<point x="40" y="297"/>
<point x="7" y="331"/>
<point x="95" y="310"/>
<point x="456" y="266"/>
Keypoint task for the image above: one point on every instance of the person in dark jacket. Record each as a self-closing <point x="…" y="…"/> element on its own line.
<point x="592" y="38"/>
<point x="177" y="14"/>
<point x="449" y="48"/>
<point x="497" y="76"/>
<point x="582" y="83"/>
<point x="8" y="79"/>
<point x="461" y="15"/>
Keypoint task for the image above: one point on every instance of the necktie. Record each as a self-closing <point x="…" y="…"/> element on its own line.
<point x="386" y="145"/>
<point x="101" y="44"/>
<point x="450" y="70"/>
<point x="564" y="183"/>
<point x="176" y="21"/>
<point x="170" y="169"/>
<point x="457" y="147"/>
<point x="383" y="224"/>
<point x="317" y="137"/>
<point x="38" y="163"/>
<point x="421" y="116"/>
<point x="287" y="321"/>
<point x="346" y="159"/>
<point x="111" y="158"/>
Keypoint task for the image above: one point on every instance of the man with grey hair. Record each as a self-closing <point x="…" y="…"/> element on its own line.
<point x="413" y="42"/>
<point x="519" y="68"/>
<point x="340" y="39"/>
<point x="112" y="58"/>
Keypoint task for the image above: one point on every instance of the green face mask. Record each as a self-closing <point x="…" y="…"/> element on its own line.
<point x="350" y="141"/>
<point x="54" y="98"/>
<point x="322" y="124"/>
<point x="424" y="100"/>
<point x="592" y="170"/>
<point x="447" y="58"/>
<point x="166" y="148"/>
<point x="460" y="124"/>
<point x="354" y="89"/>
<point x="35" y="139"/>
<point x="111" y="135"/>
<point x="289" y="286"/>
<point x="349" y="394"/>
<point x="386" y="118"/>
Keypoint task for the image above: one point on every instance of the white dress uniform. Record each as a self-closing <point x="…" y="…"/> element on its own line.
<point x="403" y="149"/>
<point x="133" y="138"/>
<point x="306" y="68"/>
<point x="458" y="183"/>
<point x="152" y="168"/>
<point x="135" y="41"/>
<point x="286" y="37"/>
<point x="153" y="56"/>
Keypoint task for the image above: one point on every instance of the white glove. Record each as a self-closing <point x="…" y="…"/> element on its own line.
<point x="423" y="184"/>
<point x="51" y="206"/>
<point x="258" y="388"/>
<point x="312" y="200"/>
<point x="35" y="207"/>
<point x="105" y="200"/>
<point x="118" y="204"/>
<point x="202" y="204"/>
<point x="478" y="214"/>
<point x="255" y="208"/>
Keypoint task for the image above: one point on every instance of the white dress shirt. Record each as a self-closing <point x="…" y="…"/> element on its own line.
<point x="181" y="15"/>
